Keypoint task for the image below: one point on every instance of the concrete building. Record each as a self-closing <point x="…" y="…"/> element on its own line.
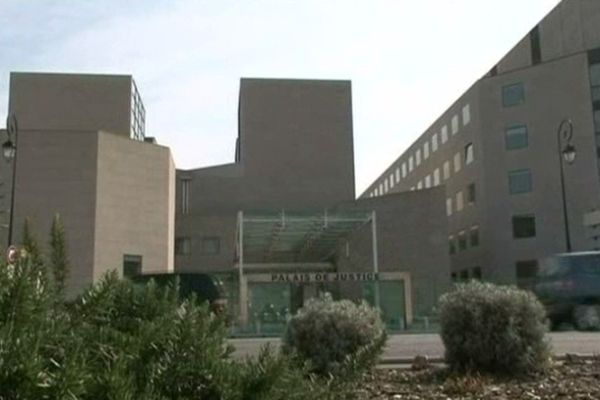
<point x="281" y="223"/>
<point x="278" y="225"/>
<point x="497" y="152"/>
<point x="82" y="153"/>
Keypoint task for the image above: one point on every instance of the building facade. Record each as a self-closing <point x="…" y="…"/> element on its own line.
<point x="498" y="152"/>
<point x="278" y="225"/>
<point x="282" y="224"/>
<point x="82" y="153"/>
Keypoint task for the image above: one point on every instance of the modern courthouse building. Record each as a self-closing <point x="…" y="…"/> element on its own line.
<point x="509" y="174"/>
<point x="518" y="154"/>
<point x="278" y="225"/>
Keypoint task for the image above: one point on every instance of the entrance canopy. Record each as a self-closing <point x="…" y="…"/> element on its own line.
<point x="282" y="237"/>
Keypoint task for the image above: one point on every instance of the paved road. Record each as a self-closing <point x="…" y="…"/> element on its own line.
<point x="404" y="346"/>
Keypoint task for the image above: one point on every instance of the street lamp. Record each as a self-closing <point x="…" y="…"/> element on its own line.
<point x="9" y="151"/>
<point x="567" y="153"/>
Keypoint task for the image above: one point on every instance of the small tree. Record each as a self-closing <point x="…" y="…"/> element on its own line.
<point x="30" y="244"/>
<point x="58" y="254"/>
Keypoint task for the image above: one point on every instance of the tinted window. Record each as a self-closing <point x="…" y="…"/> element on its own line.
<point x="513" y="95"/>
<point x="519" y="181"/>
<point x="516" y="137"/>
<point x="523" y="226"/>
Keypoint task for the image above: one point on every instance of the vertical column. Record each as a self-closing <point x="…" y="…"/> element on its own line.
<point x="375" y="255"/>
<point x="242" y="282"/>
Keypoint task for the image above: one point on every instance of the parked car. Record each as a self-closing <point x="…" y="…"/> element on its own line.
<point x="205" y="287"/>
<point x="569" y="287"/>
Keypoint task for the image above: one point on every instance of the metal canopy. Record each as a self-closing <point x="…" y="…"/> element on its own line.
<point x="281" y="237"/>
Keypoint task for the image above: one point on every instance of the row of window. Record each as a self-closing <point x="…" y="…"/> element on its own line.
<point x="433" y="179"/>
<point x="525" y="271"/>
<point x="459" y="200"/>
<point x="464" y="240"/>
<point x="207" y="246"/>
<point x="467" y="274"/>
<point x="422" y="153"/>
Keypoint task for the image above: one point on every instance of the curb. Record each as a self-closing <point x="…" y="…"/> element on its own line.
<point x="441" y="360"/>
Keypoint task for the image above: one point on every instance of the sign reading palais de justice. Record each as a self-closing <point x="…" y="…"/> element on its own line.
<point x="326" y="277"/>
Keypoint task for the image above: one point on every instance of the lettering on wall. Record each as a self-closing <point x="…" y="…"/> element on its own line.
<point x="325" y="277"/>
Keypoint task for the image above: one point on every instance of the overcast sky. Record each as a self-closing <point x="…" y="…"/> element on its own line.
<point x="408" y="59"/>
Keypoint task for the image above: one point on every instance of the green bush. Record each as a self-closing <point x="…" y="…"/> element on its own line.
<point x="119" y="340"/>
<point x="338" y="338"/>
<point x="493" y="329"/>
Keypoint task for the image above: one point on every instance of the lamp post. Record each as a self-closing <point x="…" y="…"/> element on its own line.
<point x="9" y="151"/>
<point x="566" y="152"/>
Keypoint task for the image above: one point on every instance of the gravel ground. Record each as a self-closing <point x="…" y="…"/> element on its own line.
<point x="573" y="379"/>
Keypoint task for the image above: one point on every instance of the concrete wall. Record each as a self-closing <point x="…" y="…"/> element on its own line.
<point x="545" y="106"/>
<point x="133" y="207"/>
<point x="411" y="237"/>
<point x="296" y="153"/>
<point x="70" y="102"/>
<point x="296" y="141"/>
<point x="56" y="173"/>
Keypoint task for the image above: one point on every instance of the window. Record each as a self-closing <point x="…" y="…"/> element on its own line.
<point x="132" y="265"/>
<point x="385" y="186"/>
<point x="513" y="95"/>
<point x="427" y="181"/>
<point x="183" y="245"/>
<point x="526" y="272"/>
<point x="391" y="180"/>
<point x="185" y="196"/>
<point x="210" y="245"/>
<point x="471" y="195"/>
<point x="444" y="134"/>
<point x="459" y="201"/>
<point x="455" y="125"/>
<point x="419" y="185"/>
<point x="411" y="164"/>
<point x="425" y="150"/>
<point x="519" y="181"/>
<point x="451" y="244"/>
<point x="434" y="142"/>
<point x="536" y="49"/>
<point x="404" y="170"/>
<point x="449" y="206"/>
<point x="397" y="175"/>
<point x="457" y="162"/>
<point x="462" y="241"/>
<point x="446" y="170"/>
<point x="474" y="236"/>
<point x="469" y="154"/>
<point x="436" y="177"/>
<point x="523" y="226"/>
<point x="476" y="273"/>
<point x="466" y="114"/>
<point x="453" y="276"/>
<point x="381" y="192"/>
<point x="595" y="81"/>
<point x="376" y="192"/>
<point x="464" y="275"/>
<point x="526" y="269"/>
<point x="516" y="137"/>
<point x="418" y="157"/>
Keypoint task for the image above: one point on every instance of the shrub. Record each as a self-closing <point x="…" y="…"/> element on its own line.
<point x="337" y="337"/>
<point x="493" y="329"/>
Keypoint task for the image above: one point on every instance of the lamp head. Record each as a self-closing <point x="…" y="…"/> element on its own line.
<point x="569" y="153"/>
<point x="8" y="150"/>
